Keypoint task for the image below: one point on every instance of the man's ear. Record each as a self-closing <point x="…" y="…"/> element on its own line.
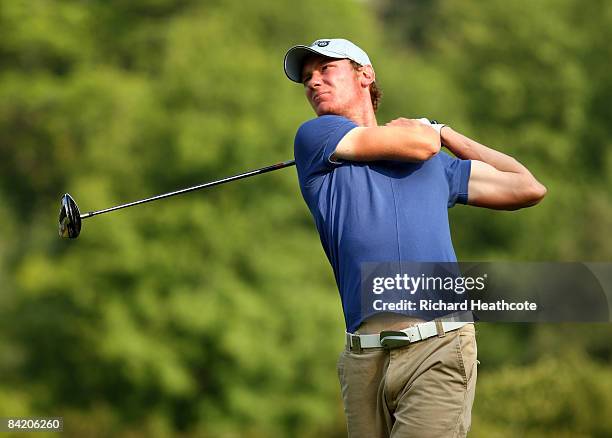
<point x="367" y="75"/>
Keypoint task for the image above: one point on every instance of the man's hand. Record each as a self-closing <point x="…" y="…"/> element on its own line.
<point x="496" y="180"/>
<point x="401" y="139"/>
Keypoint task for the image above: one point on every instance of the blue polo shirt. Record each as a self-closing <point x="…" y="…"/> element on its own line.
<point x="381" y="211"/>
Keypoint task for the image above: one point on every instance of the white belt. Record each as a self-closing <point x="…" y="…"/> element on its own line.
<point x="396" y="338"/>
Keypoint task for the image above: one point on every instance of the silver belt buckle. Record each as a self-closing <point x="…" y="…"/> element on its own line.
<point x="393" y="339"/>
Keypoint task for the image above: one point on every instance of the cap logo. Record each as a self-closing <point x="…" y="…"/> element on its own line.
<point x="322" y="43"/>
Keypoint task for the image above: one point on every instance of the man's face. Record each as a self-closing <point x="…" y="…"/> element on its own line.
<point x="332" y="85"/>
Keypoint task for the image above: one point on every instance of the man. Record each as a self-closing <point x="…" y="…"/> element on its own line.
<point x="381" y="194"/>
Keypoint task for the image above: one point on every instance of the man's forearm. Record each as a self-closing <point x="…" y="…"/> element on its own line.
<point x="468" y="149"/>
<point x="399" y="140"/>
<point x="497" y="180"/>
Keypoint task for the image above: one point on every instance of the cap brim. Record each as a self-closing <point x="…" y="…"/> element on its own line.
<point x="294" y="60"/>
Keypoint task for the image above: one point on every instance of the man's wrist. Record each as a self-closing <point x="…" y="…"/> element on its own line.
<point x="438" y="127"/>
<point x="444" y="132"/>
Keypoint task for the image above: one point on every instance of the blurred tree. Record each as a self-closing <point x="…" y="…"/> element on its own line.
<point x="527" y="72"/>
<point x="564" y="396"/>
<point x="410" y="22"/>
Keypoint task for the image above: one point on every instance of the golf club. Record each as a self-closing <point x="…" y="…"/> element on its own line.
<point x="70" y="217"/>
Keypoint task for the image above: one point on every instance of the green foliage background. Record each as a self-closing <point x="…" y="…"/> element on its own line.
<point x="215" y="314"/>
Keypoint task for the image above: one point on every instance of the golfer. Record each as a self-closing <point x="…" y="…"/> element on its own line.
<point x="382" y="193"/>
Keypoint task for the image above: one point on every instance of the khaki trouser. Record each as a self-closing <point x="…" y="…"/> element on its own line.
<point x="425" y="389"/>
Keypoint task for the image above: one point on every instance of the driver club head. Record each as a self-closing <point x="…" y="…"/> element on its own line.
<point x="69" y="218"/>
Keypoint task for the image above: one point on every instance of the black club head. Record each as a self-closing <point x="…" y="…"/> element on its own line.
<point x="69" y="218"/>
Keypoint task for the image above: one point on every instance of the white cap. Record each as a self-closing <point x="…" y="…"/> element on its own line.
<point x="332" y="48"/>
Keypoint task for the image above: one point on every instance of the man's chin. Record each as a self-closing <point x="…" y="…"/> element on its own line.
<point x="326" y="111"/>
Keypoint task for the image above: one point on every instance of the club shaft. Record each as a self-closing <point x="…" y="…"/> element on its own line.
<point x="193" y="188"/>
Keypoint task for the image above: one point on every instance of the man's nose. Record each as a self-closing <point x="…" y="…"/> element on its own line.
<point x="315" y="80"/>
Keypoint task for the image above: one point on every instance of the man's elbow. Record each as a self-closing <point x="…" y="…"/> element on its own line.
<point x="534" y="192"/>
<point x="540" y="192"/>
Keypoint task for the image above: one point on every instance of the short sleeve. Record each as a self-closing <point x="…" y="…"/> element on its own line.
<point x="315" y="142"/>
<point x="457" y="175"/>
